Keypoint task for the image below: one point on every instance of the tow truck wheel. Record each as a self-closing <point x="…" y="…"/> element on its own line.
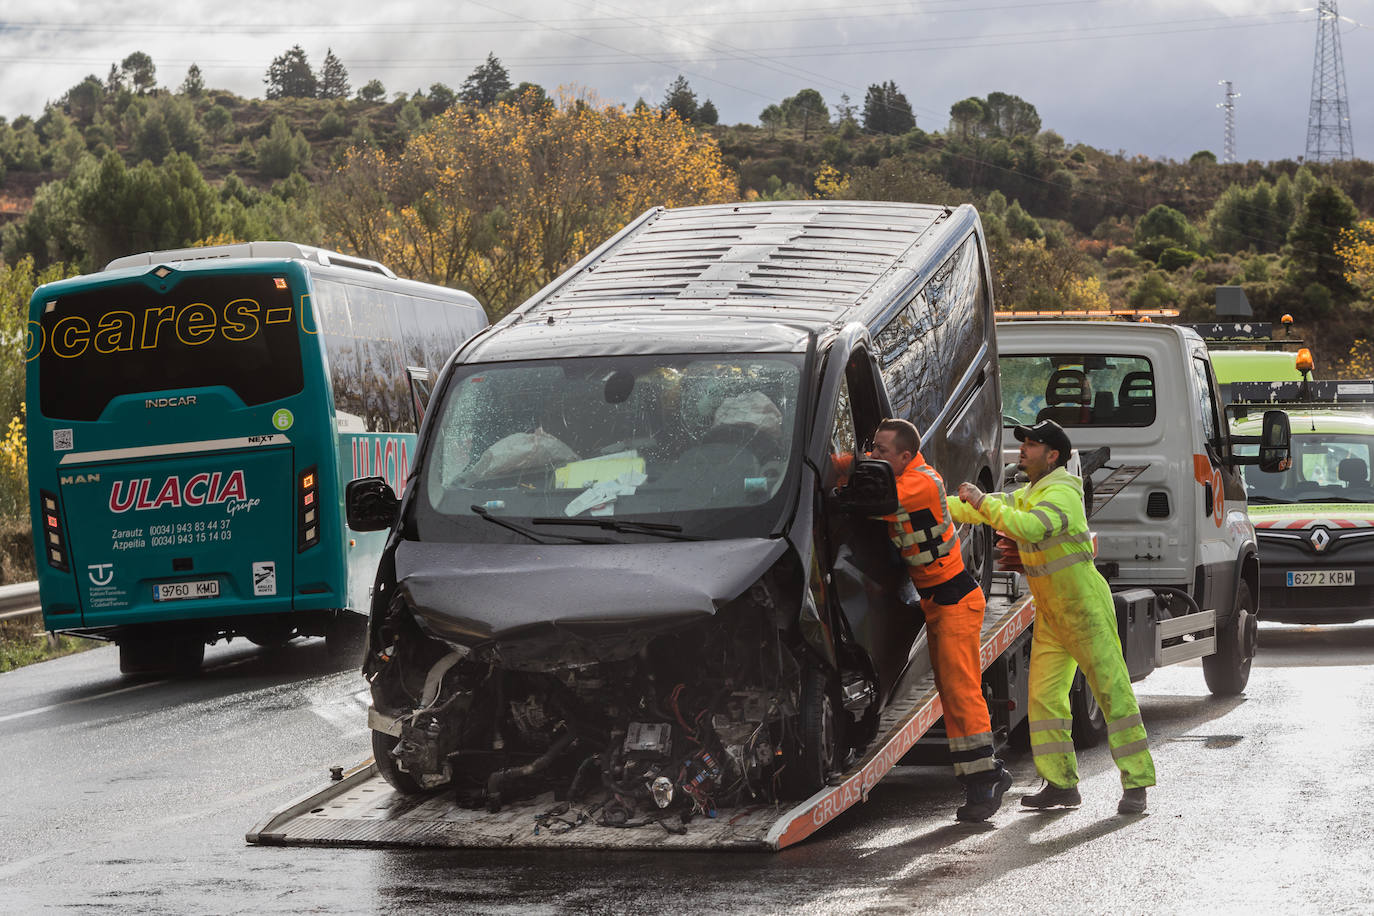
<point x="1089" y="724"/>
<point x="382" y="745"/>
<point x="819" y="748"/>
<point x="1227" y="670"/>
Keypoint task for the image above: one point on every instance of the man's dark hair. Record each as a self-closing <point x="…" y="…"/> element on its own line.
<point x="907" y="437"/>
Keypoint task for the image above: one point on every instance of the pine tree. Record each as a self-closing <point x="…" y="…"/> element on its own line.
<point x="194" y="84"/>
<point x="290" y="76"/>
<point x="680" y="99"/>
<point x="333" y="78"/>
<point x="485" y="84"/>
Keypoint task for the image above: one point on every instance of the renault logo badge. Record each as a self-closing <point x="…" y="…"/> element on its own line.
<point x="1320" y="539"/>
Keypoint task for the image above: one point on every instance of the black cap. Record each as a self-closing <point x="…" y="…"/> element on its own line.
<point x="1048" y="432"/>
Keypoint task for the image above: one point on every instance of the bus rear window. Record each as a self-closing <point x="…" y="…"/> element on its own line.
<point x="238" y="331"/>
<point x="1078" y="389"/>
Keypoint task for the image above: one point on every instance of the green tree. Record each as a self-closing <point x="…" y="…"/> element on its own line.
<point x="217" y="121"/>
<point x="1153" y="292"/>
<point x="282" y="151"/>
<point x="333" y="78"/>
<point x="680" y="100"/>
<point x="151" y="141"/>
<point x="408" y="119"/>
<point x="138" y="70"/>
<point x="1164" y="227"/>
<point x="1010" y="116"/>
<point x="441" y="97"/>
<point x="290" y="76"/>
<point x="886" y="110"/>
<point x="373" y="91"/>
<point x="707" y="113"/>
<point x="83" y="100"/>
<point x="485" y="83"/>
<point x="333" y="124"/>
<point x="1312" y="243"/>
<point x="807" y="110"/>
<point x="965" y="116"/>
<point x="772" y="118"/>
<point x="194" y="84"/>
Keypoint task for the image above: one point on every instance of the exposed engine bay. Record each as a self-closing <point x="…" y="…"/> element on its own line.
<point x="724" y="711"/>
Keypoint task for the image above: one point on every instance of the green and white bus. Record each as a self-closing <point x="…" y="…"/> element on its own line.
<point x="193" y="416"/>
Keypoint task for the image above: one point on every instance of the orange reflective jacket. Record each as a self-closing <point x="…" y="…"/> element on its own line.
<point x="923" y="530"/>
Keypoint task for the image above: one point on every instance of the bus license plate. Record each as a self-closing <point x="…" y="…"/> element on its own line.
<point x="1322" y="577"/>
<point x="176" y="591"/>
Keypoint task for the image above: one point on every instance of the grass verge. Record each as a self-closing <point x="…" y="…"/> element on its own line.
<point x="21" y="644"/>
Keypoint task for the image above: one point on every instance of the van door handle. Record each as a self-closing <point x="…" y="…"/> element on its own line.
<point x="1207" y="499"/>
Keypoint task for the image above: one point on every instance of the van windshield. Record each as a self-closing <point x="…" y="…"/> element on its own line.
<point x="1096" y="389"/>
<point x="699" y="445"/>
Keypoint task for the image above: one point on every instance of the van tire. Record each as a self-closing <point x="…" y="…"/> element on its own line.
<point x="382" y="745"/>
<point x="174" y="655"/>
<point x="819" y="748"/>
<point x="978" y="545"/>
<point x="1227" y="671"/>
<point x="1089" y="723"/>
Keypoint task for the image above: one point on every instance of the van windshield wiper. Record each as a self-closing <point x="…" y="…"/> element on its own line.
<point x="481" y="512"/>
<point x="657" y="529"/>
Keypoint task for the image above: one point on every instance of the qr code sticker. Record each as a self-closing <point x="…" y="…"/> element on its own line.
<point x="62" y="440"/>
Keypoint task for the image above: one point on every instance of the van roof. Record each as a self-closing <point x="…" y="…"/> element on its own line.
<point x="804" y="262"/>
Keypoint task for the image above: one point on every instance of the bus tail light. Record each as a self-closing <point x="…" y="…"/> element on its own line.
<point x="308" y="510"/>
<point x="54" y="543"/>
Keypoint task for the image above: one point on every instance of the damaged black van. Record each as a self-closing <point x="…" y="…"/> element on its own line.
<point x="622" y="566"/>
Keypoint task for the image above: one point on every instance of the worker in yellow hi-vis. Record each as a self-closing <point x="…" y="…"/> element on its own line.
<point x="1075" y="621"/>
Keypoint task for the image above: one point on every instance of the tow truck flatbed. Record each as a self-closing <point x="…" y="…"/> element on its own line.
<point x="361" y="809"/>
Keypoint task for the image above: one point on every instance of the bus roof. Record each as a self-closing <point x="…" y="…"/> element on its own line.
<point x="809" y="264"/>
<point x="250" y="250"/>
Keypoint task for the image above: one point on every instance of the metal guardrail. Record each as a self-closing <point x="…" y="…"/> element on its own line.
<point x="19" y="600"/>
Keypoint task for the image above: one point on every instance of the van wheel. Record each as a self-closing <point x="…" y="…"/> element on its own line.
<point x="1227" y="670"/>
<point x="819" y="748"/>
<point x="1089" y="724"/>
<point x="382" y="745"/>
<point x="177" y="655"/>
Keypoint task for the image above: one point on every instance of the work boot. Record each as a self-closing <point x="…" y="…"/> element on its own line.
<point x="1132" y="802"/>
<point x="982" y="797"/>
<point x="1052" y="796"/>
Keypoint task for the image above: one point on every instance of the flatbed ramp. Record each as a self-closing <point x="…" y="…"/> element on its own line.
<point x="363" y="810"/>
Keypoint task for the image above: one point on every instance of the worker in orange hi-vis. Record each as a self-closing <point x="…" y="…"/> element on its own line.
<point x="953" y="604"/>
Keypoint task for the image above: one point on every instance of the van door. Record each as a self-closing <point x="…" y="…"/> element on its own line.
<point x="869" y="580"/>
<point x="1222" y="499"/>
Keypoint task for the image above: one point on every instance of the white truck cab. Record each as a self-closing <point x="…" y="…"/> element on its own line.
<point x="1169" y="505"/>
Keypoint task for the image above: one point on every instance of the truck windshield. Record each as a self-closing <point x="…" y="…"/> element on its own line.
<point x="237" y="330"/>
<point x="1099" y="389"/>
<point x="1327" y="467"/>
<point x="695" y="445"/>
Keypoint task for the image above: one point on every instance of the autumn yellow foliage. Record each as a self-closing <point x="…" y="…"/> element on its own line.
<point x="501" y="200"/>
<point x="14" y="469"/>
<point x="1355" y="248"/>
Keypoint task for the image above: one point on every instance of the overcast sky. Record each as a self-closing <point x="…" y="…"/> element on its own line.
<point x="1139" y="76"/>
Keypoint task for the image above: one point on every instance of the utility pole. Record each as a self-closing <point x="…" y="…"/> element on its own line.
<point x="1328" y="118"/>
<point x="1228" y="149"/>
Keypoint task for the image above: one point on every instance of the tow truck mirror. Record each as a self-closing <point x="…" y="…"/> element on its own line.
<point x="1274" y="450"/>
<point x="871" y="491"/>
<point x="371" y="504"/>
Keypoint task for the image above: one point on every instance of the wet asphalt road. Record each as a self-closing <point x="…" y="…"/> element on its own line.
<point x="133" y="797"/>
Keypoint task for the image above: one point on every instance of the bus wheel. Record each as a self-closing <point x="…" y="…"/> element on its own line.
<point x="345" y="637"/>
<point x="161" y="655"/>
<point x="382" y="745"/>
<point x="1227" y="670"/>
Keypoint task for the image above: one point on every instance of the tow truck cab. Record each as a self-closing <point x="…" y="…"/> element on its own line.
<point x="1169" y="507"/>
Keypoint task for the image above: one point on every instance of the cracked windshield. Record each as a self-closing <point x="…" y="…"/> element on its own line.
<point x="652" y="446"/>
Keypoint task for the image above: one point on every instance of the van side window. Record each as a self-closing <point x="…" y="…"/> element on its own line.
<point x="842" y="433"/>
<point x="1207" y="403"/>
<point x="964" y="308"/>
<point x="907" y="354"/>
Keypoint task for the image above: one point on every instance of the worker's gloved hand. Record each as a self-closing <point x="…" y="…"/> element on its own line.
<point x="971" y="494"/>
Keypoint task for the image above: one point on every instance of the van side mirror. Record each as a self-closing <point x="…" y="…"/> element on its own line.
<point x="371" y="504"/>
<point x="1274" y="450"/>
<point x="871" y="491"/>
